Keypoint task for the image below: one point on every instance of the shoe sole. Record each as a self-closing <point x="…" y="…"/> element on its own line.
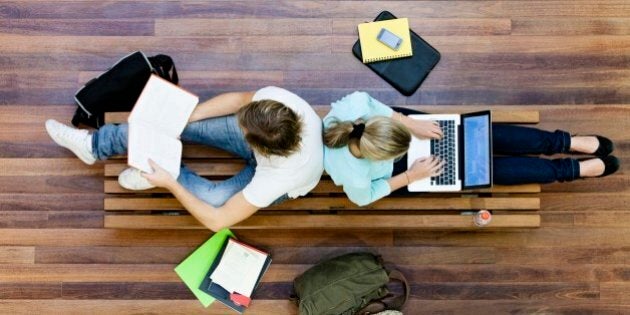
<point x="125" y="186"/>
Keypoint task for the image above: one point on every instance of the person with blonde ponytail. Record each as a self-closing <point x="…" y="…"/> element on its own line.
<point x="363" y="138"/>
<point x="365" y="143"/>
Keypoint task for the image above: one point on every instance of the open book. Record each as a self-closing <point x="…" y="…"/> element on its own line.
<point x="155" y="123"/>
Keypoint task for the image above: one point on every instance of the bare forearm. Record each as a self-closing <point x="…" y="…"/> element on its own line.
<point x="398" y="181"/>
<point x="221" y="105"/>
<point x="406" y="121"/>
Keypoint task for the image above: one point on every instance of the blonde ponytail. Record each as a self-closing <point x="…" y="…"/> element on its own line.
<point x="337" y="135"/>
<point x="383" y="138"/>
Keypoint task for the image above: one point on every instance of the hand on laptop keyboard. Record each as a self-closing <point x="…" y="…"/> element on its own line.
<point x="425" y="129"/>
<point x="425" y="167"/>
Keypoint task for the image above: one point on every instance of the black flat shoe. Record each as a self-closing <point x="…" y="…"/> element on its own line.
<point x="611" y="165"/>
<point x="605" y="147"/>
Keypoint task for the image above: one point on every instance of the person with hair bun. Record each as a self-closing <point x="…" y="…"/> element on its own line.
<point x="366" y="144"/>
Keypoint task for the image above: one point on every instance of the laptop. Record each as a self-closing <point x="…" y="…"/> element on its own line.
<point x="466" y="149"/>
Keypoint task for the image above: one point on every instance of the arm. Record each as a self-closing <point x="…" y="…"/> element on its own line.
<point x="399" y="181"/>
<point x="419" y="128"/>
<point x="221" y="105"/>
<point x="235" y="210"/>
<point x="379" y="188"/>
<point x="365" y="195"/>
<point x="421" y="168"/>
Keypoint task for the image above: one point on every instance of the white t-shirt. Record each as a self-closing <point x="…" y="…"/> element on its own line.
<point x="296" y="174"/>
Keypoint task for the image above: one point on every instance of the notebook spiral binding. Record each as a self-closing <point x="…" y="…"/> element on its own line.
<point x="387" y="58"/>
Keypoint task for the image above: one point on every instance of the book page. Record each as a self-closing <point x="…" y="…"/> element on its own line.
<point x="164" y="105"/>
<point x="146" y="143"/>
<point x="239" y="268"/>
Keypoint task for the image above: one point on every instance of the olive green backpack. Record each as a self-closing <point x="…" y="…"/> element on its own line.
<point x="350" y="284"/>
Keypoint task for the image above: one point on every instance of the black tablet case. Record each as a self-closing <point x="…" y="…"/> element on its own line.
<point x="404" y="74"/>
<point x="217" y="291"/>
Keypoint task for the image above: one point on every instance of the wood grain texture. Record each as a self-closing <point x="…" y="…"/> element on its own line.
<point x="111" y="186"/>
<point x="17" y="255"/>
<point x="218" y="9"/>
<point x="563" y="59"/>
<point x="180" y="307"/>
<point x="242" y="27"/>
<point x="570" y="26"/>
<point x="446" y="221"/>
<point x="47" y="167"/>
<point x="106" y="237"/>
<point x="342" y="203"/>
<point x="418" y="255"/>
<point x="18" y="290"/>
<point x="437" y="26"/>
<point x="523" y="306"/>
<point x="87" y="27"/>
<point x="34" y="201"/>
<point x="51" y="219"/>
<point x="517" y="291"/>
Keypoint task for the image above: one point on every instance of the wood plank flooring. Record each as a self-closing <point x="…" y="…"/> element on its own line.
<point x="569" y="59"/>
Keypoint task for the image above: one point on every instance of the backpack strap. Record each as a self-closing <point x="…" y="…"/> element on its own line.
<point x="390" y="301"/>
<point x="397" y="302"/>
<point x="163" y="65"/>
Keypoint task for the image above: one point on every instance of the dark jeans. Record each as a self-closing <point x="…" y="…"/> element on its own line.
<point x="513" y="140"/>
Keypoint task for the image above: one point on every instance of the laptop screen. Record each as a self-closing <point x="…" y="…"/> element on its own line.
<point x="477" y="150"/>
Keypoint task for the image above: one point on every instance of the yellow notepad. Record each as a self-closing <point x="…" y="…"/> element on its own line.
<point x="373" y="50"/>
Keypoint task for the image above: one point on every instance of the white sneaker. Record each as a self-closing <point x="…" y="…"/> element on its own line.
<point x="132" y="179"/>
<point x="79" y="141"/>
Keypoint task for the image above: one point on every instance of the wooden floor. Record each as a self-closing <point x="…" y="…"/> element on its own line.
<point x="568" y="59"/>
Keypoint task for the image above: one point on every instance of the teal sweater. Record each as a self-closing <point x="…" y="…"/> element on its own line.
<point x="364" y="181"/>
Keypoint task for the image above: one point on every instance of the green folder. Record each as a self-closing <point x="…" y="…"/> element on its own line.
<point x="196" y="265"/>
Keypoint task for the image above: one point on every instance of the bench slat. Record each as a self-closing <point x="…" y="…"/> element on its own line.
<point x="327" y="186"/>
<point x="214" y="168"/>
<point x="328" y="221"/>
<point x="342" y="203"/>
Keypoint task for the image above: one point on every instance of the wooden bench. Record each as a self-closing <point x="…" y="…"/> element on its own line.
<point x="326" y="206"/>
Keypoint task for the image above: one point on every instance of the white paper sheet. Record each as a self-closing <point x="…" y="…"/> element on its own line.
<point x="239" y="268"/>
<point x="155" y="123"/>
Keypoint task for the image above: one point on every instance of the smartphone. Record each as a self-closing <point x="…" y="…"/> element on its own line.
<point x="390" y="39"/>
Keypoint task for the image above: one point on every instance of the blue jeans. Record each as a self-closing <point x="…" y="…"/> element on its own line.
<point x="219" y="132"/>
<point x="511" y="140"/>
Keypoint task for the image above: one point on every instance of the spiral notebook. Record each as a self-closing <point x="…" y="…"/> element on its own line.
<point x="373" y="50"/>
<point x="405" y="74"/>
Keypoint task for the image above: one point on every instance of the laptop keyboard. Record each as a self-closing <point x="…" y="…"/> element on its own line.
<point x="445" y="149"/>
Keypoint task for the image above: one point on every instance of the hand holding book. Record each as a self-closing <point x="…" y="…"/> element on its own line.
<point x="155" y="123"/>
<point x="159" y="176"/>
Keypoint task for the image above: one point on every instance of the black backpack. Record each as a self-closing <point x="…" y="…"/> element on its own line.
<point x="118" y="89"/>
